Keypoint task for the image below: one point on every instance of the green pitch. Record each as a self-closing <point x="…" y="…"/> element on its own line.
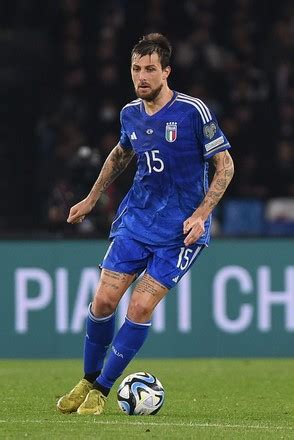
<point x="205" y="399"/>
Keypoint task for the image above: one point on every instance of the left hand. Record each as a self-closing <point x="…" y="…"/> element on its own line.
<point x="194" y="227"/>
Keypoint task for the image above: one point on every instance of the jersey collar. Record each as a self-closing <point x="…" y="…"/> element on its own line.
<point x="161" y="110"/>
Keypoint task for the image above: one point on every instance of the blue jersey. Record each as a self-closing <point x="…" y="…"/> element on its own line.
<point x="172" y="147"/>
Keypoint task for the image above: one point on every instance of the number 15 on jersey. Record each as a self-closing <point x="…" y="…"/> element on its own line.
<point x="154" y="163"/>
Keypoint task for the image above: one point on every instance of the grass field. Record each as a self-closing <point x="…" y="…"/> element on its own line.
<point x="205" y="399"/>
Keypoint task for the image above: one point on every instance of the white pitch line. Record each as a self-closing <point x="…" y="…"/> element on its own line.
<point x="185" y="425"/>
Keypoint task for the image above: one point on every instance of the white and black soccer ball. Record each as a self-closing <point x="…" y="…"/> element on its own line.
<point x="140" y="394"/>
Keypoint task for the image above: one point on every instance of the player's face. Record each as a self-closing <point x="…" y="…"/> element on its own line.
<point x="148" y="76"/>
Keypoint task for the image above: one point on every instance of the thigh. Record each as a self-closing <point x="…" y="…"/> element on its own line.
<point x="124" y="260"/>
<point x="110" y="289"/>
<point x="145" y="297"/>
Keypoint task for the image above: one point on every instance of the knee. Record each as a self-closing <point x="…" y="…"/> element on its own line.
<point x="103" y="306"/>
<point x="139" y="312"/>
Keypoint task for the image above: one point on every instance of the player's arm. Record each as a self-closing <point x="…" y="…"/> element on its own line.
<point x="114" y="165"/>
<point x="224" y="171"/>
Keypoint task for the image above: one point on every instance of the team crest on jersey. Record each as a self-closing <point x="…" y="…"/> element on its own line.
<point x="209" y="130"/>
<point x="171" y="131"/>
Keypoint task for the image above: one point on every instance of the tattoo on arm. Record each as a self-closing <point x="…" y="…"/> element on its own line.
<point x="223" y="175"/>
<point x="114" y="165"/>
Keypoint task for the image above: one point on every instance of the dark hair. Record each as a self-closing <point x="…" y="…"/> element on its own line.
<point x="157" y="43"/>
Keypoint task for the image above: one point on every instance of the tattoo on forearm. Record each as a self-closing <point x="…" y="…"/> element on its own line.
<point x="221" y="183"/>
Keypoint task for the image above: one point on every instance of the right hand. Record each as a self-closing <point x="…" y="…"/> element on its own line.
<point x="78" y="212"/>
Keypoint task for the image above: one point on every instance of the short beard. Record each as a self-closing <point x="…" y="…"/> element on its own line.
<point x="152" y="95"/>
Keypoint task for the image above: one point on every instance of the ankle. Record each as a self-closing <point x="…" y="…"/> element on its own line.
<point x="97" y="386"/>
<point x="91" y="377"/>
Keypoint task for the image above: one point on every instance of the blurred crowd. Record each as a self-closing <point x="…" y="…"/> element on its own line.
<point x="236" y="55"/>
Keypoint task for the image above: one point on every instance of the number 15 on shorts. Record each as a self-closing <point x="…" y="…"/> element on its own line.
<point x="187" y="256"/>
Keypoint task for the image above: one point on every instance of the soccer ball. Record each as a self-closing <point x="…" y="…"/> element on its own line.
<point x="140" y="394"/>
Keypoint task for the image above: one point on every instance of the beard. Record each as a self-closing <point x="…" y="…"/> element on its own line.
<point x="151" y="96"/>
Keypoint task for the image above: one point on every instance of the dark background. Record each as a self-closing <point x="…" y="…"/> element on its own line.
<point x="64" y="75"/>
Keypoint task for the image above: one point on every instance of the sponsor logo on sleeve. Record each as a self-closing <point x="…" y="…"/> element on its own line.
<point x="209" y="130"/>
<point x="215" y="143"/>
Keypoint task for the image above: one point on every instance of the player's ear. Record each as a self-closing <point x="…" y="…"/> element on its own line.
<point x="166" y="71"/>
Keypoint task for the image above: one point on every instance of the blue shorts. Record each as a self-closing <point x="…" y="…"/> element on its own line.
<point x="166" y="264"/>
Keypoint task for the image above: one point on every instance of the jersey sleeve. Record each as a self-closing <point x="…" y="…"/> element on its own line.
<point x="208" y="132"/>
<point x="124" y="138"/>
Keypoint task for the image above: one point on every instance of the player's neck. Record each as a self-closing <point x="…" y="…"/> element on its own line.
<point x="160" y="101"/>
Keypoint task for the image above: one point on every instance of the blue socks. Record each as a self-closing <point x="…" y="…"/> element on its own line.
<point x="128" y="341"/>
<point x="99" y="334"/>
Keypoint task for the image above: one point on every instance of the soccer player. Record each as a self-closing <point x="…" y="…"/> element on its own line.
<point x="163" y="223"/>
